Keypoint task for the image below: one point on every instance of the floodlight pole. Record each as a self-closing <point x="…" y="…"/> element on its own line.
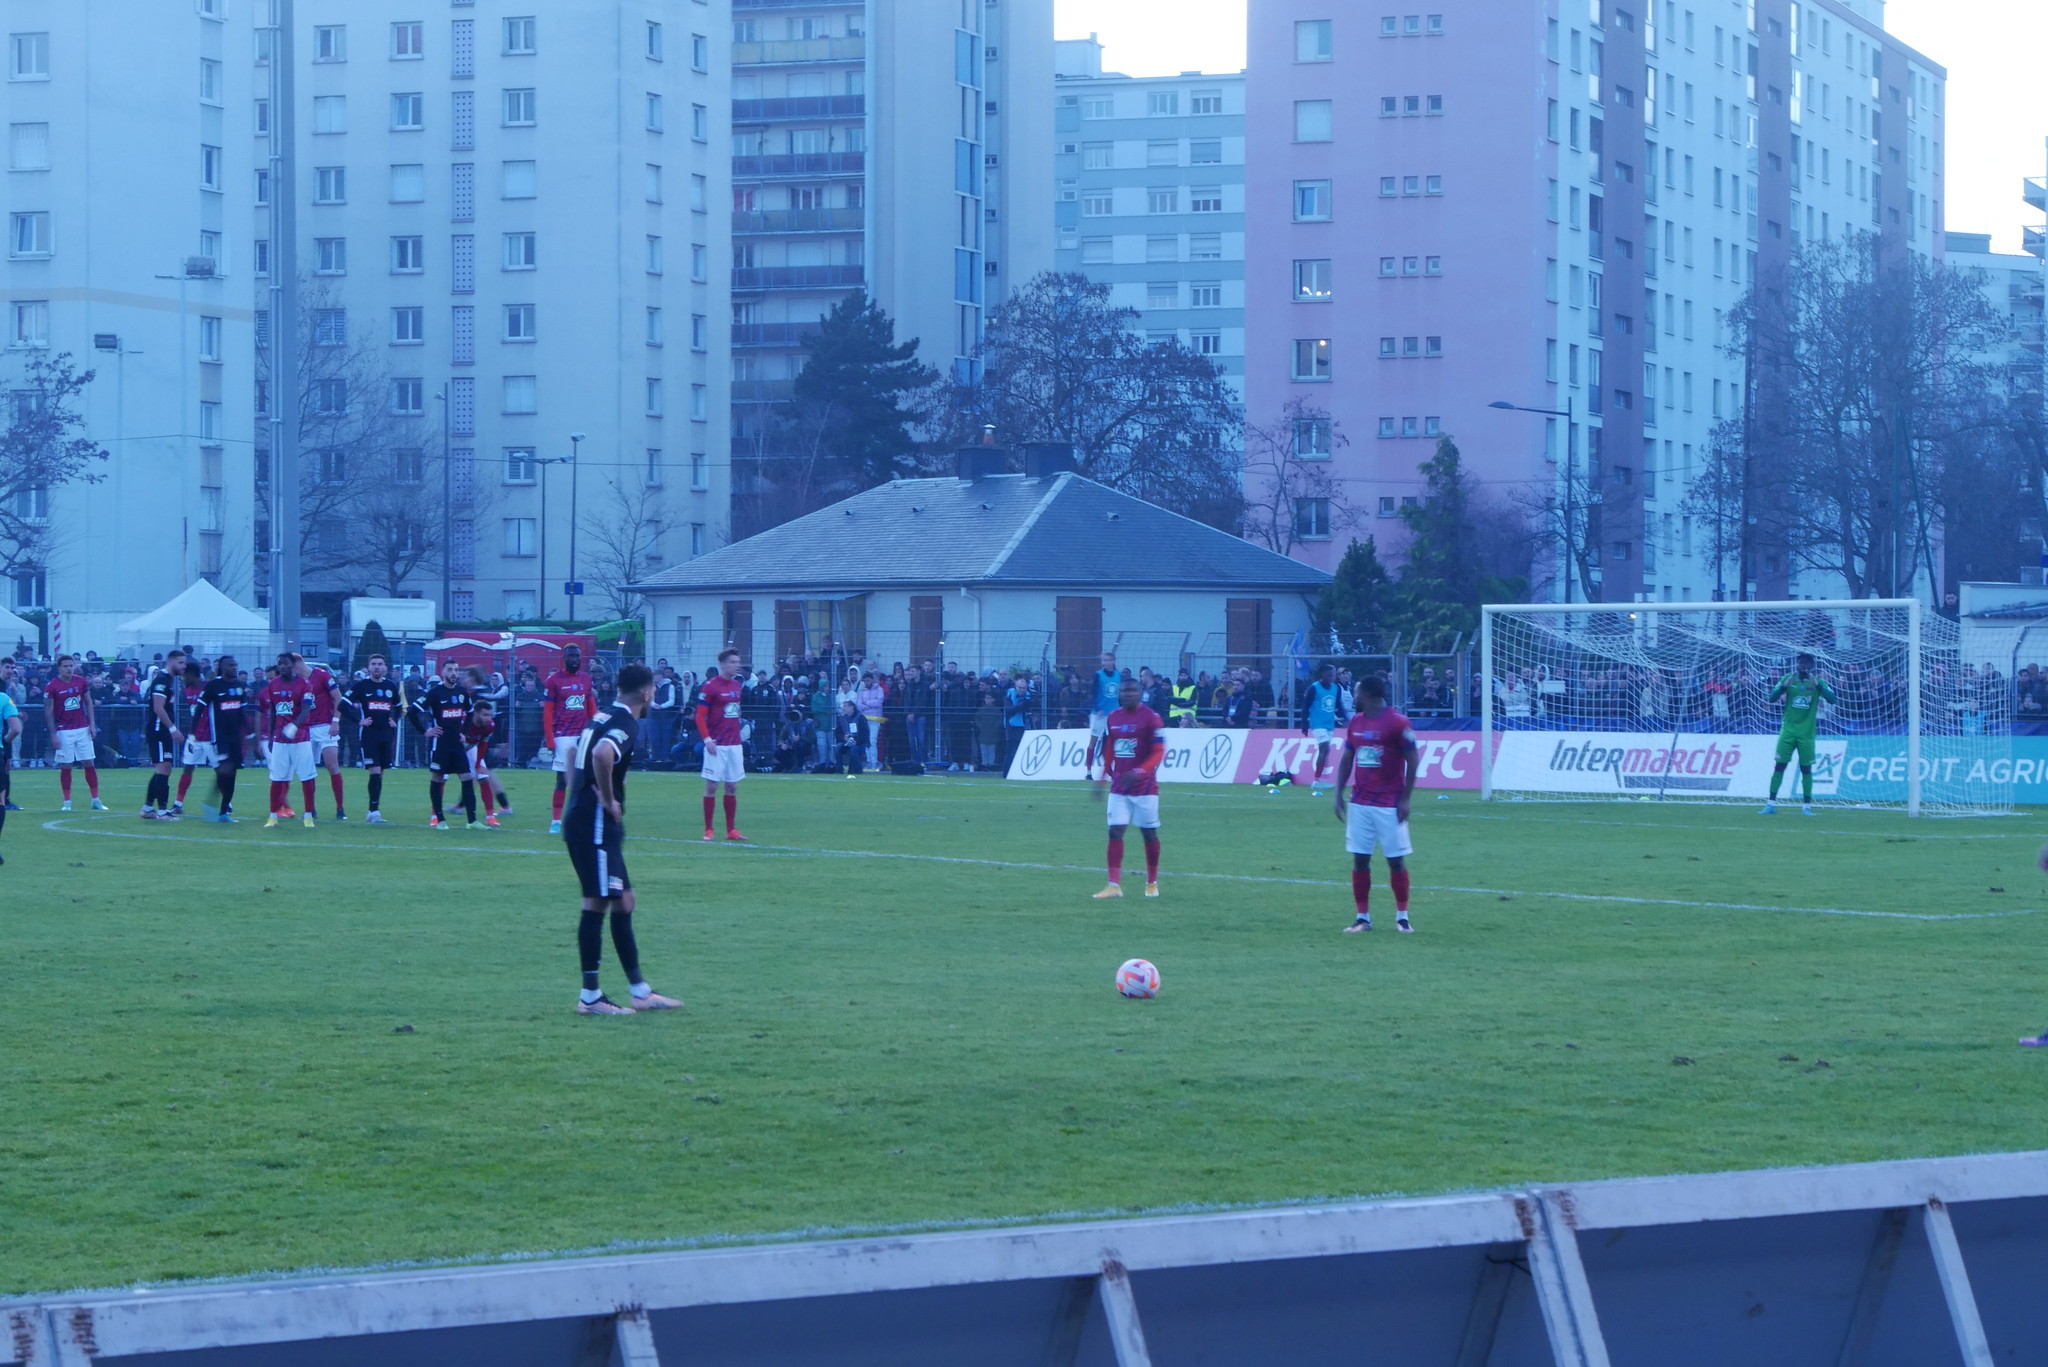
<point x="284" y="329"/>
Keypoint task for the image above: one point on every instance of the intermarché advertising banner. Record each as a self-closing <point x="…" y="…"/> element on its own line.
<point x="1621" y="763"/>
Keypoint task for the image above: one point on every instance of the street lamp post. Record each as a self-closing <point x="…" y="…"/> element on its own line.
<point x="575" y="471"/>
<point x="1570" y="480"/>
<point x="544" y="462"/>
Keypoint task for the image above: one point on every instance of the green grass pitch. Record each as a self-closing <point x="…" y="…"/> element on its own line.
<point x="900" y="1011"/>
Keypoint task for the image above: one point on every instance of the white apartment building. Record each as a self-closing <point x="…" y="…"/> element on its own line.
<point x="129" y="156"/>
<point x="899" y="148"/>
<point x="1149" y="197"/>
<point x="519" y="211"/>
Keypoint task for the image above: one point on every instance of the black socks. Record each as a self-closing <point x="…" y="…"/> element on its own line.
<point x="590" y="944"/>
<point x="626" y="945"/>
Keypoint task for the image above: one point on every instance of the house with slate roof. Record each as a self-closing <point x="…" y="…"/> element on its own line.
<point x="989" y="569"/>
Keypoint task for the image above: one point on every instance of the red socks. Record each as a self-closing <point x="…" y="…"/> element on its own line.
<point x="1361" y="889"/>
<point x="1399" y="879"/>
<point x="1152" y="862"/>
<point x="92" y="780"/>
<point x="184" y="784"/>
<point x="558" y="807"/>
<point x="710" y="810"/>
<point x="1116" y="859"/>
<point x="277" y="792"/>
<point x="335" y="779"/>
<point x="732" y="812"/>
<point x="64" y="781"/>
<point x="307" y="787"/>
<point x="483" y="787"/>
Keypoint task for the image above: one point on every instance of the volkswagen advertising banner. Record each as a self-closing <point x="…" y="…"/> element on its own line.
<point x="1450" y="759"/>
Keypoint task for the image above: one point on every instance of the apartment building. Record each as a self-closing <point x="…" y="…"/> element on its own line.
<point x="1555" y="206"/>
<point x="898" y="148"/>
<point x="1149" y="196"/>
<point x="129" y="156"/>
<point x="516" y="215"/>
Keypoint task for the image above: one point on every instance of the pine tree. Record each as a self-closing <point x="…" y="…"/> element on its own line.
<point x="371" y="642"/>
<point x="1360" y="597"/>
<point x="855" y="391"/>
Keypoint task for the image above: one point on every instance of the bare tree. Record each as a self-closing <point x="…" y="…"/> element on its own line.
<point x="623" y="534"/>
<point x="1289" y="483"/>
<point x="42" y="449"/>
<point x="1868" y="381"/>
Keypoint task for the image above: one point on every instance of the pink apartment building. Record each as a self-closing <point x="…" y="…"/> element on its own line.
<point x="1553" y="203"/>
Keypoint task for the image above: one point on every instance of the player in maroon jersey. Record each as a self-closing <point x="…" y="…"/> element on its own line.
<point x="287" y="702"/>
<point x="725" y="758"/>
<point x="477" y="734"/>
<point x="1131" y="753"/>
<point x="198" y="749"/>
<point x="1382" y="762"/>
<point x="67" y="709"/>
<point x="564" y="710"/>
<point x="322" y="732"/>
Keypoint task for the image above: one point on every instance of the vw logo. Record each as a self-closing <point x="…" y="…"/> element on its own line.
<point x="1035" y="755"/>
<point x="1215" y="755"/>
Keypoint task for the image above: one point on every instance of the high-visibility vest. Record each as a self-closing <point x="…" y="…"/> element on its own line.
<point x="1183" y="704"/>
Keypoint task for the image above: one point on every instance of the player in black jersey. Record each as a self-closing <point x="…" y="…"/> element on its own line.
<point x="377" y="702"/>
<point x="442" y="714"/>
<point x="227" y="701"/>
<point x="593" y="827"/>
<point x="164" y="737"/>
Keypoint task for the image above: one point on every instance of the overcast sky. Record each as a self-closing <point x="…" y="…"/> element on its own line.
<point x="1993" y="49"/>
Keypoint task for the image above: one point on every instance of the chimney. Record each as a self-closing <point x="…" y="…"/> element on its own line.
<point x="979" y="462"/>
<point x="1044" y="460"/>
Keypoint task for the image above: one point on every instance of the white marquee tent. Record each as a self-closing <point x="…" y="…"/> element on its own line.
<point x="14" y="630"/>
<point x="201" y="618"/>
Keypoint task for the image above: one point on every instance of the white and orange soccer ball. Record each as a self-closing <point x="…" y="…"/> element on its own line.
<point x="1137" y="978"/>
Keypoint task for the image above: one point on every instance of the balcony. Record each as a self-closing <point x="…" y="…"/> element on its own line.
<point x="2034" y="241"/>
<point x="797" y="277"/>
<point x="763" y="391"/>
<point x="773" y="334"/>
<point x="799" y="107"/>
<point x="798" y="221"/>
<point x="800" y="164"/>
<point x="792" y="51"/>
<point x="2034" y="189"/>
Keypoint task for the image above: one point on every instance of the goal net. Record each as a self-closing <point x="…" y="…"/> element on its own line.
<point x="1671" y="702"/>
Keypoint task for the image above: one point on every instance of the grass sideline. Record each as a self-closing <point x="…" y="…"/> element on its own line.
<point x="900" y="1013"/>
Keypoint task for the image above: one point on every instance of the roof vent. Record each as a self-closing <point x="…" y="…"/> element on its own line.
<point x="979" y="462"/>
<point x="1043" y="460"/>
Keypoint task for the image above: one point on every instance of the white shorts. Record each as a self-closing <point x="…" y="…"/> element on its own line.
<point x="565" y="753"/>
<point x="290" y="761"/>
<point x="199" y="754"/>
<point x="74" y="747"/>
<point x="1098" y="725"/>
<point x="1366" y="826"/>
<point x="320" y="735"/>
<point x="1320" y="735"/>
<point x="729" y="765"/>
<point x="1142" y="812"/>
<point x="479" y="762"/>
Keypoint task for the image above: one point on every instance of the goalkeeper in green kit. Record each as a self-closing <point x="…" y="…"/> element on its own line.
<point x="1802" y="691"/>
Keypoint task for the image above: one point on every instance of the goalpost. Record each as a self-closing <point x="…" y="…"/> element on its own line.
<point x="1670" y="702"/>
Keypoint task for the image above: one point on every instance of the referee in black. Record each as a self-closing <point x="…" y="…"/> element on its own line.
<point x="594" y="829"/>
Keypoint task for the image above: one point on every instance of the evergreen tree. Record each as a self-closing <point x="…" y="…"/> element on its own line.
<point x="856" y="392"/>
<point x="371" y="642"/>
<point x="1360" y="598"/>
<point x="1449" y="569"/>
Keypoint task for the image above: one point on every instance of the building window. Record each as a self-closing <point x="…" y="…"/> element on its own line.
<point x="1311" y="201"/>
<point x="654" y="113"/>
<point x="28" y="147"/>
<point x="1098" y="204"/>
<point x="700" y="125"/>
<point x="1312" y="438"/>
<point x="652" y="183"/>
<point x="520" y="465"/>
<point x="700" y="402"/>
<point x="1205" y="295"/>
<point x="521" y="536"/>
<point x="519" y="323"/>
<point x="408" y="326"/>
<point x="1205" y="199"/>
<point x="1312" y="519"/>
<point x="408" y="41"/>
<point x="408" y="255"/>
<point x="700" y="52"/>
<point x="653" y="255"/>
<point x="655" y="397"/>
<point x="1432" y="265"/>
<point x="330" y="185"/>
<point x="408" y="396"/>
<point x="700" y="262"/>
<point x="518" y="108"/>
<point x="1432" y="346"/>
<point x="1097" y="251"/>
<point x="330" y="256"/>
<point x="521" y="394"/>
<point x="1206" y="343"/>
<point x="520" y="251"/>
<point x="1098" y="107"/>
<point x="28" y="234"/>
<point x="1312" y="121"/>
<point x="1389" y="429"/>
<point x="1205" y="246"/>
<point x="408" y="112"/>
<point x="1388" y="265"/>
<point x="330" y="327"/>
<point x="1312" y="40"/>
<point x="1205" y="152"/>
<point x="1312" y="281"/>
<point x="408" y="184"/>
<point x="28" y="57"/>
<point x="655" y="330"/>
<point x="521" y="180"/>
<point x="1205" y="102"/>
<point x="1312" y="359"/>
<point x="330" y="43"/>
<point x="1388" y="348"/>
<point x="209" y="168"/>
<point x="1162" y="200"/>
<point x="209" y="81"/>
<point x="654" y="42"/>
<point x="330" y="397"/>
<point x="700" y="332"/>
<point x="1162" y="103"/>
<point x="1162" y="294"/>
<point x="521" y="36"/>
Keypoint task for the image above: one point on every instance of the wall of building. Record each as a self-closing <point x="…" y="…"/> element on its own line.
<point x="1708" y="150"/>
<point x="145" y="160"/>
<point x="621" y="176"/>
<point x="1149" y="184"/>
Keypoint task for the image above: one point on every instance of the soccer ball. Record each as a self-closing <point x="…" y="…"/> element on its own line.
<point x="1137" y="978"/>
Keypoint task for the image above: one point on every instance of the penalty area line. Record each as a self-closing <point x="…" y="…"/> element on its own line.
<point x="805" y="851"/>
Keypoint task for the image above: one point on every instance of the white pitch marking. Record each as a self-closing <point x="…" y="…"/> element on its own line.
<point x="800" y="851"/>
